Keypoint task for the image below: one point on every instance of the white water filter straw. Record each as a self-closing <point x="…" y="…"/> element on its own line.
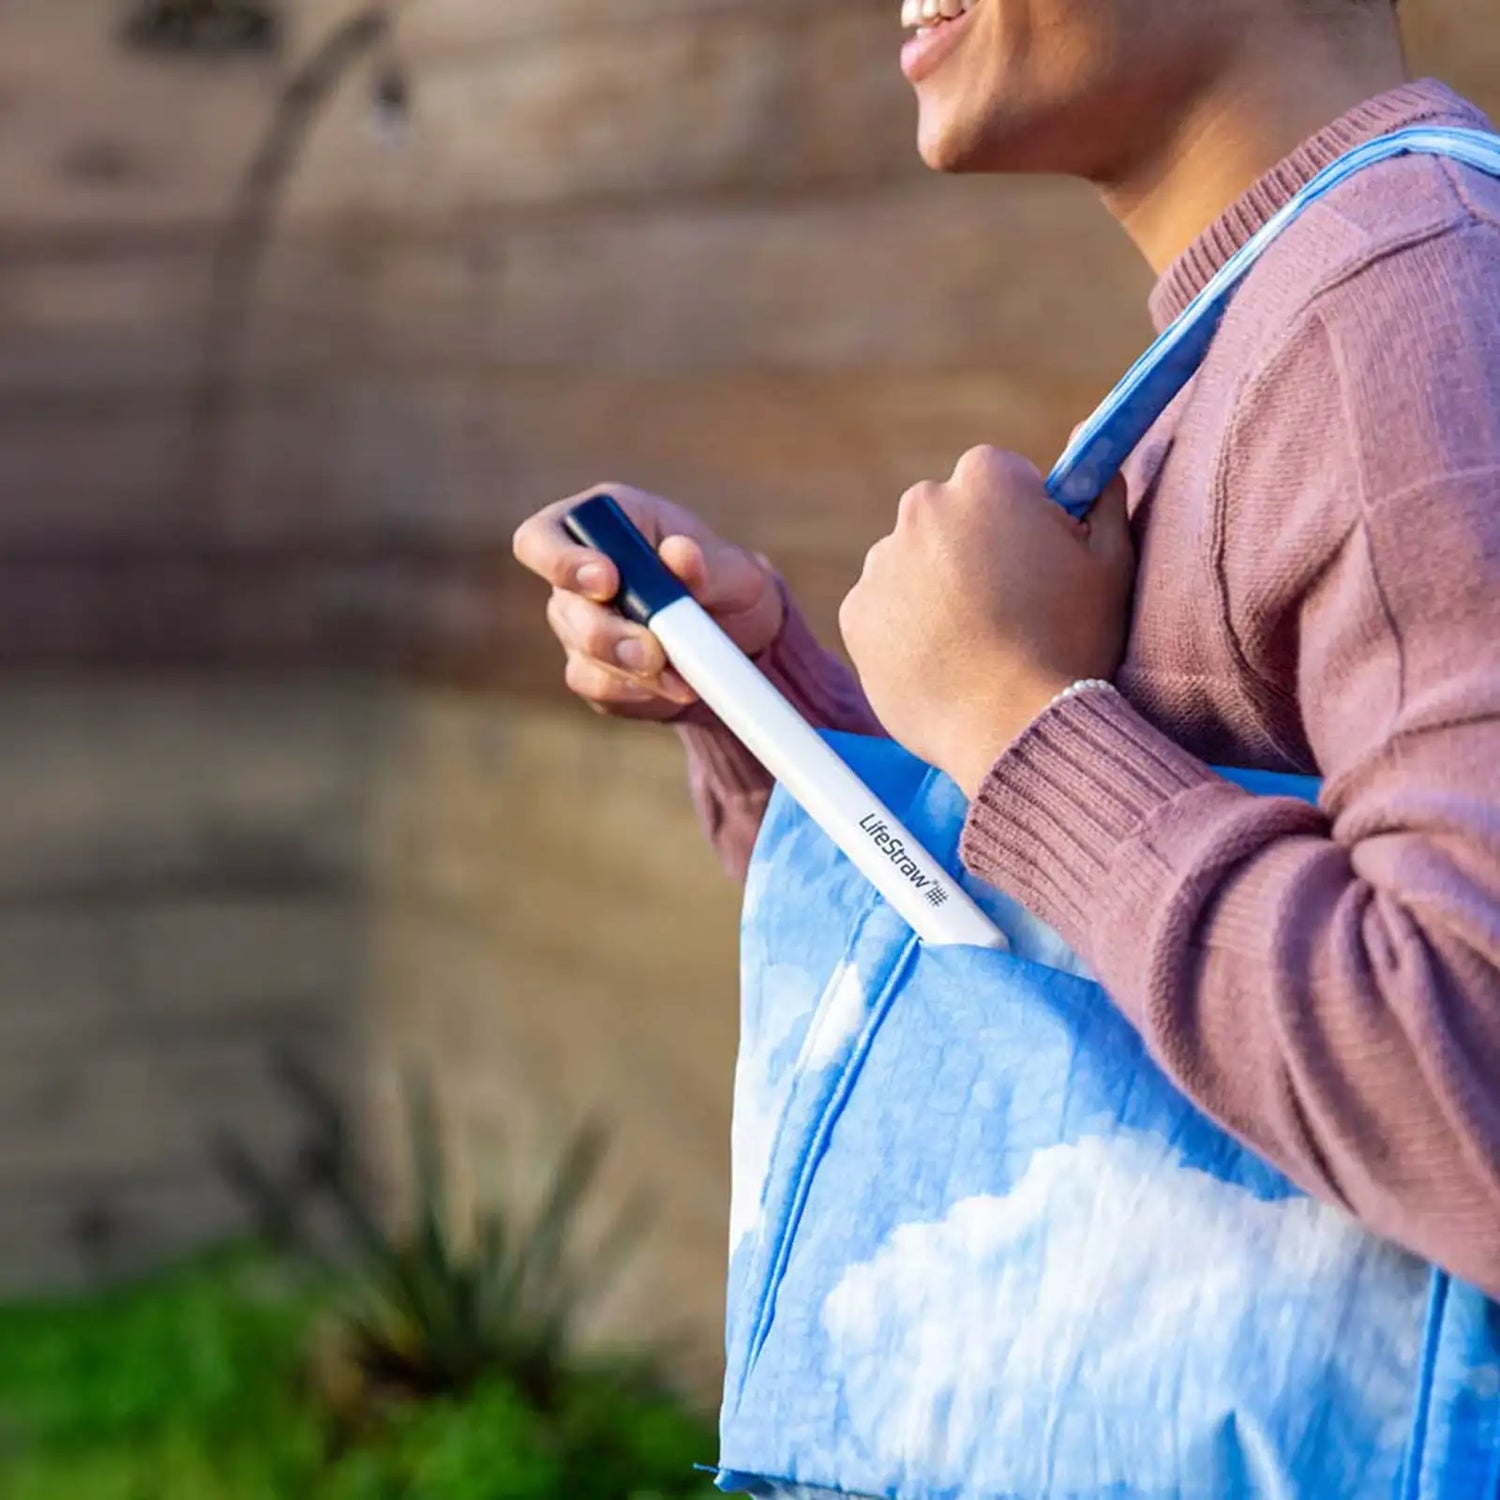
<point x="888" y="854"/>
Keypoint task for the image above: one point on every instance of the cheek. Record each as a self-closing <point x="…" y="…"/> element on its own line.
<point x="997" y="102"/>
<point x="1047" y="85"/>
<point x="958" y="103"/>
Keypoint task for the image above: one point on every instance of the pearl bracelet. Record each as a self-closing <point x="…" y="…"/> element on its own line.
<point x="1083" y="686"/>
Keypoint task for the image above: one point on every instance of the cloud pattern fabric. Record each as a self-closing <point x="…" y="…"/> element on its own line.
<point x="983" y="1249"/>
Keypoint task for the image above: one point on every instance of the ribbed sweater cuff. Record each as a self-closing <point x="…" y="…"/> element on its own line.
<point x="720" y="766"/>
<point x="1056" y="809"/>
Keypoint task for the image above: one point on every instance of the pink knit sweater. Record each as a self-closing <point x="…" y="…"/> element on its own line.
<point x="1318" y="523"/>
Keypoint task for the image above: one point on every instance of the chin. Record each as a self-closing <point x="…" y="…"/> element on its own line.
<point x="945" y="147"/>
<point x="939" y="154"/>
<point x="1016" y="141"/>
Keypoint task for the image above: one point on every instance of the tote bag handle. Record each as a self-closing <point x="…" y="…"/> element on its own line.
<point x="1101" y="446"/>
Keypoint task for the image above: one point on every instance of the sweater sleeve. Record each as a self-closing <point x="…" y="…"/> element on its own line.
<point x="1322" y="981"/>
<point x="730" y="787"/>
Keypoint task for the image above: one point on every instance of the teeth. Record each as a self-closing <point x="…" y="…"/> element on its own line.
<point x="918" y="13"/>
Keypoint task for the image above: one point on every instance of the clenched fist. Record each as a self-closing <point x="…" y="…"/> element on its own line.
<point x="984" y="603"/>
<point x="617" y="667"/>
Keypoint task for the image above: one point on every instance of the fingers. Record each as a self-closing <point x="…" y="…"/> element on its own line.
<point x="594" y="631"/>
<point x="723" y="578"/>
<point x="914" y="498"/>
<point x="683" y="556"/>
<point x="609" y="692"/>
<point x="542" y="545"/>
<point x="613" y="663"/>
<point x="987" y="465"/>
<point x="608" y="653"/>
<point x="617" y="667"/>
<point x="1108" y="523"/>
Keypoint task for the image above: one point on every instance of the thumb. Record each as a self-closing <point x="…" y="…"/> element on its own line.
<point x="1109" y="523"/>
<point x="718" y="575"/>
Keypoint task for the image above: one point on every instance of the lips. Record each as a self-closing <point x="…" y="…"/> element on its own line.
<point x="939" y="26"/>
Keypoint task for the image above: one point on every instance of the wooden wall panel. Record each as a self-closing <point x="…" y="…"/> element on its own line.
<point x="684" y="242"/>
<point x="100" y="137"/>
<point x="929" y="274"/>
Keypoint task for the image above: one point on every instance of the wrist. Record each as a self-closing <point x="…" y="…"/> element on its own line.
<point x="992" y="735"/>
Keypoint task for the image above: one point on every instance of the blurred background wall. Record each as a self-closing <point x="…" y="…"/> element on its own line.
<point x="283" y="758"/>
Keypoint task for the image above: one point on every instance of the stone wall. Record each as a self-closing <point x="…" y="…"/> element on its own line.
<point x="282" y="755"/>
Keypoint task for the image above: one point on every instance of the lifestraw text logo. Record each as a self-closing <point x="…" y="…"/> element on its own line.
<point x="894" y="849"/>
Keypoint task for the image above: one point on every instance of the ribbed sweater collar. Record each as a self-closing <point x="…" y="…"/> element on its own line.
<point x="1420" y="103"/>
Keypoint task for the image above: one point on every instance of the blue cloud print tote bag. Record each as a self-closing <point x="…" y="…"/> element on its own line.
<point x="983" y="1249"/>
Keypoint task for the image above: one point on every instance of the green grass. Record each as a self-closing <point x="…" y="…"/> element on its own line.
<point x="194" y="1385"/>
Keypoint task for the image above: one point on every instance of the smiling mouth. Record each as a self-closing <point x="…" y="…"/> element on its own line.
<point x="929" y="15"/>
<point x="937" y="28"/>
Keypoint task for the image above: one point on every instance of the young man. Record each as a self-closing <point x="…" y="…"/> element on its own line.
<point x="1300" y="571"/>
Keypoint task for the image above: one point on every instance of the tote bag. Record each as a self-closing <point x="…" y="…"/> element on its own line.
<point x="983" y="1249"/>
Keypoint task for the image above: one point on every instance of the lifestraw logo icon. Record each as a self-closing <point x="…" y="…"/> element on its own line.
<point x="936" y="896"/>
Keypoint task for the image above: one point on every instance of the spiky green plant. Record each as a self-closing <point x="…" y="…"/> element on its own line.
<point x="437" y="1310"/>
<point x="433" y="1310"/>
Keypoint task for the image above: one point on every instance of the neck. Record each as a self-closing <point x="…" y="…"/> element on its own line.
<point x="1260" y="107"/>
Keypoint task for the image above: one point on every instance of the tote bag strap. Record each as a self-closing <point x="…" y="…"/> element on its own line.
<point x="1129" y="412"/>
